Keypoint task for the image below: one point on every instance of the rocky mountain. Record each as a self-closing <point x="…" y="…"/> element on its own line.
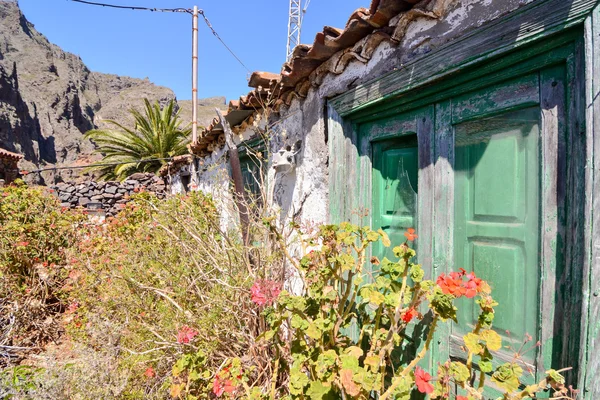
<point x="206" y="109"/>
<point x="49" y="99"/>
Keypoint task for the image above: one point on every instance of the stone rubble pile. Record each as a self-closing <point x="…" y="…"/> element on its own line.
<point x="112" y="195"/>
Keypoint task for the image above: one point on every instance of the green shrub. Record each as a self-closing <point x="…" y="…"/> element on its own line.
<point x="35" y="234"/>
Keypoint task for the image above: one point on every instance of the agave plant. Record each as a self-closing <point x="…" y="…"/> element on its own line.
<point x="153" y="140"/>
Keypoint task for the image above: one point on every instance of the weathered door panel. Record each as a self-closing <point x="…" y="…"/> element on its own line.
<point x="395" y="187"/>
<point x="497" y="211"/>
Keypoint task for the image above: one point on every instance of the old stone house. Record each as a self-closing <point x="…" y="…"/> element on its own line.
<point x="9" y="171"/>
<point x="475" y="121"/>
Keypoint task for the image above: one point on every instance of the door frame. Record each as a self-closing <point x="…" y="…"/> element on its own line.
<point x="569" y="41"/>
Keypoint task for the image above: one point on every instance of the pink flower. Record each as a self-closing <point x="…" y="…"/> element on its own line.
<point x="72" y="307"/>
<point x="74" y="274"/>
<point x="186" y="334"/>
<point x="264" y="292"/>
<point x="422" y="379"/>
<point x="149" y="373"/>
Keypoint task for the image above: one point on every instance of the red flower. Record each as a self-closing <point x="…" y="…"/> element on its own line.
<point x="186" y="334"/>
<point x="149" y="373"/>
<point x="410" y="234"/>
<point x="409" y="315"/>
<point x="422" y="379"/>
<point x="23" y="244"/>
<point x="220" y="387"/>
<point x="462" y="398"/>
<point x="264" y="292"/>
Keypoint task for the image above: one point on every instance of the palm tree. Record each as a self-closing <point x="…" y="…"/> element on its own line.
<point x="155" y="137"/>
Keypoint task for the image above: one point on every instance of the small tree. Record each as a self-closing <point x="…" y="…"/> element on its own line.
<point x="155" y="137"/>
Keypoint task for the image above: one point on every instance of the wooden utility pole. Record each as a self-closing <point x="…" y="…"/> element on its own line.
<point x="238" y="181"/>
<point x="195" y="75"/>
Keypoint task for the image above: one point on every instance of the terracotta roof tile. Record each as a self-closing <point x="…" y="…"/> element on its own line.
<point x="7" y="155"/>
<point x="331" y="52"/>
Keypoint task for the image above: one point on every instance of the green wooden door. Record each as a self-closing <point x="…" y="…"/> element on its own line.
<point x="398" y="163"/>
<point x="497" y="210"/>
<point x="506" y="206"/>
<point x="484" y="199"/>
<point x="395" y="187"/>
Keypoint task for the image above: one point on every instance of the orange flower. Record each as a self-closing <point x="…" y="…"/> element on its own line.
<point x="410" y="234"/>
<point x="451" y="284"/>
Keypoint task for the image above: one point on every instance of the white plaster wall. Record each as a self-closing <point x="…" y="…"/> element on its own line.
<point x="303" y="193"/>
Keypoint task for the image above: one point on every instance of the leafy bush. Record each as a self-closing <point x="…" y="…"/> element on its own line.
<point x="320" y="358"/>
<point x="173" y="289"/>
<point x="162" y="302"/>
<point x="35" y="234"/>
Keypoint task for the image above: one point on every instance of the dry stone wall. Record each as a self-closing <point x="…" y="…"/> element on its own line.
<point x="112" y="195"/>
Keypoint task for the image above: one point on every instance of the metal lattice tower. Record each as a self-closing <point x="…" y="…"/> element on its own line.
<point x="294" y="27"/>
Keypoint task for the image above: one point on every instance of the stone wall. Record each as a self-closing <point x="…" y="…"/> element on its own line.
<point x="112" y="195"/>
<point x="8" y="171"/>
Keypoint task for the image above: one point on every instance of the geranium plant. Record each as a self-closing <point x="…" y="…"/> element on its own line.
<point x="339" y="338"/>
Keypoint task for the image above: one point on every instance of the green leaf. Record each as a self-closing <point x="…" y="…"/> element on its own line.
<point x="354" y="351"/>
<point x="472" y="343"/>
<point x="556" y="376"/>
<point x="349" y="362"/>
<point x="459" y="371"/>
<point x="385" y="239"/>
<point x="492" y="340"/>
<point x="416" y="273"/>
<point x="507" y="376"/>
<point x="319" y="391"/>
<point x="372" y="236"/>
<point x="298" y="380"/>
<point x="485" y="366"/>
<point x="313" y="331"/>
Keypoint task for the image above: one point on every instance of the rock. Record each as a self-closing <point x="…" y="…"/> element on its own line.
<point x="111" y="189"/>
<point x="83" y="201"/>
<point x="108" y="196"/>
<point x="97" y="197"/>
<point x="137" y="176"/>
<point x="64" y="196"/>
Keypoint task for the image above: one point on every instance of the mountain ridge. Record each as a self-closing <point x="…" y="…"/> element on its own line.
<point x="49" y="98"/>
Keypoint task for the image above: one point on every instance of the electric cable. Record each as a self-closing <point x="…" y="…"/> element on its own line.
<point x="185" y="10"/>
<point x="221" y="40"/>
<point x="92" y="3"/>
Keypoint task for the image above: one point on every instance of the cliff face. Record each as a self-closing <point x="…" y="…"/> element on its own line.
<point x="49" y="99"/>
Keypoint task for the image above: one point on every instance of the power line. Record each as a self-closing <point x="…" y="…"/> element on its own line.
<point x="185" y="10"/>
<point x="182" y="10"/>
<point x="221" y="40"/>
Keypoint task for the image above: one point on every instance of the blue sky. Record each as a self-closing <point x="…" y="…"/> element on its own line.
<point x="158" y="45"/>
